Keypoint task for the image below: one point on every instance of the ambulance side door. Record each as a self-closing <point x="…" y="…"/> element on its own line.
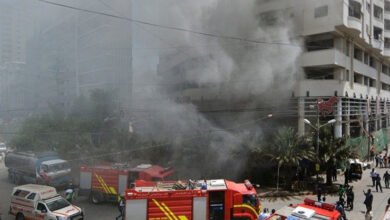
<point x="31" y="214"/>
<point x="41" y="212"/>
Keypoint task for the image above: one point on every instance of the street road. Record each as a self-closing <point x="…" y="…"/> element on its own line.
<point x="379" y="204"/>
<point x="99" y="212"/>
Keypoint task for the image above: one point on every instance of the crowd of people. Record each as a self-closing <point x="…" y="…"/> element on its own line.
<point x="265" y="214"/>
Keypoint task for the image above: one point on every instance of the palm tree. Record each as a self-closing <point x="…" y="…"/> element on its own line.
<point x="287" y="150"/>
<point x="331" y="150"/>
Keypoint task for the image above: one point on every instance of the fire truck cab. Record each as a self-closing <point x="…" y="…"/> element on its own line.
<point x="106" y="182"/>
<point x="199" y="200"/>
<point x="310" y="209"/>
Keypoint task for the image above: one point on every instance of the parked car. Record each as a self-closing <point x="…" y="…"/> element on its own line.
<point x="355" y="168"/>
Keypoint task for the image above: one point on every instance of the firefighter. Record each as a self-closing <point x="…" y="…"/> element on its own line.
<point x="340" y="209"/>
<point x="121" y="208"/>
<point x="69" y="193"/>
<point x="203" y="185"/>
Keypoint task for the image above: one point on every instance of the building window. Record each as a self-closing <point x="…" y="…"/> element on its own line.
<point x="372" y="82"/>
<point x="372" y="62"/>
<point x="319" y="73"/>
<point x="384" y="69"/>
<point x="377" y="33"/>
<point x="387" y="43"/>
<point x="387" y="6"/>
<point x="270" y="18"/>
<point x="319" y="44"/>
<point x="321" y="11"/>
<point x="347" y="48"/>
<point x="387" y="24"/>
<point x="354" y="9"/>
<point x="357" y="78"/>
<point x="366" y="58"/>
<point x="365" y="80"/>
<point x="358" y="53"/>
<point x="378" y="12"/>
<point x="347" y="75"/>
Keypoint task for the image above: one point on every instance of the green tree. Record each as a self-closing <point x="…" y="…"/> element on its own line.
<point x="93" y="126"/>
<point x="287" y="150"/>
<point x="332" y="150"/>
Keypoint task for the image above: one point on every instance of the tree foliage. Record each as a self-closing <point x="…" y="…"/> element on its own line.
<point x="333" y="151"/>
<point x="288" y="150"/>
<point x="92" y="127"/>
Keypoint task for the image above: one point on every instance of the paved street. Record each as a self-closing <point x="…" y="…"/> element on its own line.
<point x="101" y="211"/>
<point x="379" y="204"/>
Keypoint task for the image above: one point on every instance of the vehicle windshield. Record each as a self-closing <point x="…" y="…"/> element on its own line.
<point x="251" y="200"/>
<point x="57" y="204"/>
<point x="58" y="167"/>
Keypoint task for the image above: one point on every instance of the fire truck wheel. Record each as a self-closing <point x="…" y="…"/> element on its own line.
<point x="19" y="216"/>
<point x="96" y="197"/>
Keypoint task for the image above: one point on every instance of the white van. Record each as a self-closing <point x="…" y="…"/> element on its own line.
<point x="33" y="201"/>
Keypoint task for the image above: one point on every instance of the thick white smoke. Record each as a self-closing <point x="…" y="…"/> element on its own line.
<point x="214" y="68"/>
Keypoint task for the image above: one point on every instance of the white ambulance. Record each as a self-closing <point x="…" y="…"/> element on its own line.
<point x="33" y="201"/>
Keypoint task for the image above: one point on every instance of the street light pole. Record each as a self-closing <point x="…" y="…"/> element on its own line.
<point x="317" y="129"/>
<point x="318" y="136"/>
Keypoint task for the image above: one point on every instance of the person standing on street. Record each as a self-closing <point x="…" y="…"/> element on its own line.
<point x="376" y="160"/>
<point x="340" y="209"/>
<point x="386" y="178"/>
<point x="373" y="176"/>
<point x="368" y="201"/>
<point x="350" y="198"/>
<point x="264" y="215"/>
<point x="381" y="164"/>
<point x="334" y="173"/>
<point x="341" y="192"/>
<point x="69" y="193"/>
<point x="378" y="182"/>
<point x="319" y="193"/>
<point x="346" y="176"/>
<point x="121" y="207"/>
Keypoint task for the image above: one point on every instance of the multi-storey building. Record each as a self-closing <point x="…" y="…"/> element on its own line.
<point x="104" y="51"/>
<point x="12" y="34"/>
<point x="345" y="53"/>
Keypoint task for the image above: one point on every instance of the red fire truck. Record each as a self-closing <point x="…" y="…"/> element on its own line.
<point x="198" y="200"/>
<point x="310" y="209"/>
<point x="107" y="182"/>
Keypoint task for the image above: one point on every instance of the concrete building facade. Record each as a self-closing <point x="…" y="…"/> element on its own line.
<point x="12" y="34"/>
<point x="346" y="54"/>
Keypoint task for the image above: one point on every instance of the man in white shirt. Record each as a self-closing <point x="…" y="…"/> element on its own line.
<point x="264" y="215"/>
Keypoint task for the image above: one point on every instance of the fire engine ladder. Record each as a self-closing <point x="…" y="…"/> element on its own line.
<point x="171" y="185"/>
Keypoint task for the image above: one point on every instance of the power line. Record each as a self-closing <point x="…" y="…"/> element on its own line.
<point x="168" y="27"/>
